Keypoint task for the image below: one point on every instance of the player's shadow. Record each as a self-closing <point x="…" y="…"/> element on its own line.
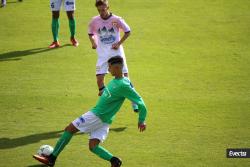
<point x="14" y="1"/>
<point x="16" y="55"/>
<point x="118" y="129"/>
<point x="7" y="143"/>
<point x="38" y="165"/>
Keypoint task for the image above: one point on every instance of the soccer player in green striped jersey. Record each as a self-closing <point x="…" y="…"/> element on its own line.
<point x="96" y="122"/>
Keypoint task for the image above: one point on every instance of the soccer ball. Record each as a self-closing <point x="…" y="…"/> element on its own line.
<point x="45" y="150"/>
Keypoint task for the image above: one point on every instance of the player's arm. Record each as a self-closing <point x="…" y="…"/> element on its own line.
<point x="92" y="40"/>
<point x="125" y="27"/>
<point x="124" y="37"/>
<point x="130" y="93"/>
<point x="91" y="30"/>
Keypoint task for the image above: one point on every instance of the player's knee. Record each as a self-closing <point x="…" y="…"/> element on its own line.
<point x="70" y="14"/>
<point x="71" y="128"/>
<point x="93" y="143"/>
<point x="92" y="147"/>
<point x="125" y="74"/>
<point x="55" y="14"/>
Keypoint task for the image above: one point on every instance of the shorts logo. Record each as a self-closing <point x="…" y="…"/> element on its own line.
<point x="82" y="120"/>
<point x="52" y="5"/>
<point x="69" y="3"/>
<point x="107" y="93"/>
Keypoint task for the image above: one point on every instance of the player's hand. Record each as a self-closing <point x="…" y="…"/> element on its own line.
<point x="116" y="45"/>
<point x="94" y="46"/>
<point x="142" y="126"/>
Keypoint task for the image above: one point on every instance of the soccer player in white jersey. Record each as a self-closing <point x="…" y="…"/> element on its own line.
<point x="96" y="122"/>
<point x="104" y="35"/>
<point x="69" y="6"/>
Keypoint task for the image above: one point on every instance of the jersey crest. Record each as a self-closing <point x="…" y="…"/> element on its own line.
<point x="107" y="93"/>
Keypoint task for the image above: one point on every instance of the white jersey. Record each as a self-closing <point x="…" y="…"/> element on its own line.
<point x="106" y="33"/>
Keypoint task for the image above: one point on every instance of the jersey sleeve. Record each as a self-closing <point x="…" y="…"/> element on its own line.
<point x="91" y="28"/>
<point x="130" y="93"/>
<point x="123" y="25"/>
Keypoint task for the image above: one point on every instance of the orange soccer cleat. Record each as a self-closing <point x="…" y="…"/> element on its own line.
<point x="44" y="160"/>
<point x="54" y="44"/>
<point x="74" y="42"/>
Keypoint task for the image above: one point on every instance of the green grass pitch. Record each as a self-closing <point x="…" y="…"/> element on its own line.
<point x="190" y="60"/>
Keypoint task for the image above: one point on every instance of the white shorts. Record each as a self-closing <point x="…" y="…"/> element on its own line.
<point x="102" y="65"/>
<point x="69" y="5"/>
<point x="93" y="125"/>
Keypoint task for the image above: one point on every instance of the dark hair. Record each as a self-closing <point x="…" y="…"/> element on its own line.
<point x="116" y="60"/>
<point x="101" y="2"/>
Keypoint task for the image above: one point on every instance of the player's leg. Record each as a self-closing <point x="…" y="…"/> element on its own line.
<point x="84" y="123"/>
<point x="60" y="145"/>
<point x="55" y="25"/>
<point x="72" y="27"/>
<point x="99" y="150"/>
<point x="101" y="71"/>
<point x="100" y="83"/>
<point x="3" y="3"/>
<point x="98" y="136"/>
<point x="69" y="6"/>
<point x="64" y="139"/>
<point x="55" y="6"/>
